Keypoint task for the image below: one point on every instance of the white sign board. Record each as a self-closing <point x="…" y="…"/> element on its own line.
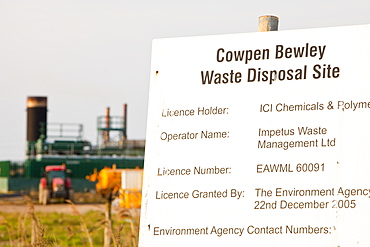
<point x="259" y="139"/>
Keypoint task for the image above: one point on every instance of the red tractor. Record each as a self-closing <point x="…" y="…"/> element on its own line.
<point x="55" y="184"/>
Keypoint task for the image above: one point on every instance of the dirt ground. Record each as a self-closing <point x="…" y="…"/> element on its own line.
<point x="60" y="208"/>
<point x="18" y="204"/>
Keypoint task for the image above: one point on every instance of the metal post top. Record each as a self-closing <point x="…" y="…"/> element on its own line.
<point x="268" y="16"/>
<point x="268" y="23"/>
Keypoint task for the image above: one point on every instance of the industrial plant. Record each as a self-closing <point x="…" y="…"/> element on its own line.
<point x="56" y="144"/>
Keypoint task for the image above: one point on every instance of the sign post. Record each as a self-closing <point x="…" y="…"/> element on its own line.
<point x="259" y="139"/>
<point x="268" y="23"/>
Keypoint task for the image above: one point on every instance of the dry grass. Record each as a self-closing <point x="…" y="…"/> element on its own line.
<point x="130" y="230"/>
<point x="37" y="229"/>
<point x="82" y="223"/>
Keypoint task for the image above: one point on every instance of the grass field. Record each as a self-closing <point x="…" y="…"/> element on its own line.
<point x="60" y="229"/>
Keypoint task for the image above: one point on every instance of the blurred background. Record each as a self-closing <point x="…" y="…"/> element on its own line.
<point x="85" y="56"/>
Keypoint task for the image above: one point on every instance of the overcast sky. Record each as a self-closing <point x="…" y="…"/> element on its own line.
<point x="86" y="55"/>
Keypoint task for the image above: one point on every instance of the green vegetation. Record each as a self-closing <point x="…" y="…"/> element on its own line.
<point x="61" y="229"/>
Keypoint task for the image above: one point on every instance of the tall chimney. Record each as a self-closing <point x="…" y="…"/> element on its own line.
<point x="107" y="126"/>
<point x="124" y="121"/>
<point x="36" y="118"/>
